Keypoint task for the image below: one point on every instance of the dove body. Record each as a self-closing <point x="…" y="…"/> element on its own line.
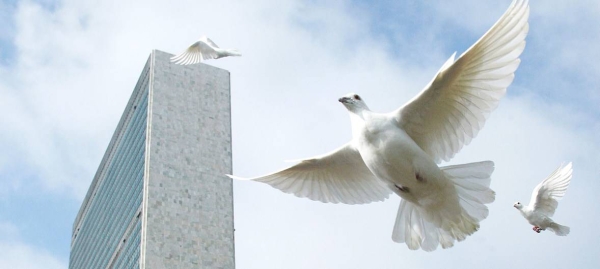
<point x="398" y="161"/>
<point x="536" y="219"/>
<point x="392" y="156"/>
<point x="544" y="201"/>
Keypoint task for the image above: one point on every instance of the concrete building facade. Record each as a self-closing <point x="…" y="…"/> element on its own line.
<point x="160" y="197"/>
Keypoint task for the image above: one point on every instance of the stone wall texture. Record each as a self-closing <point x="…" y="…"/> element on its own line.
<point x="188" y="201"/>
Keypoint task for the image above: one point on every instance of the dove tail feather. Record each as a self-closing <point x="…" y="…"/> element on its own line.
<point x="472" y="183"/>
<point x="412" y="227"/>
<point x="425" y="229"/>
<point x="231" y="52"/>
<point x="559" y="230"/>
<point x="409" y="227"/>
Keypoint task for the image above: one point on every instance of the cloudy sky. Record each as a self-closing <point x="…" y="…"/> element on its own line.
<point x="67" y="69"/>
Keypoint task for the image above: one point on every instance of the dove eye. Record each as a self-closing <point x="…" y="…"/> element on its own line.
<point x="356" y="97"/>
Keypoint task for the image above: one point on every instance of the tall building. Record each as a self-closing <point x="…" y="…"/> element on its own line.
<point x="160" y="197"/>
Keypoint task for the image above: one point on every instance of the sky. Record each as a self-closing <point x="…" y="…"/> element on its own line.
<point x="67" y="69"/>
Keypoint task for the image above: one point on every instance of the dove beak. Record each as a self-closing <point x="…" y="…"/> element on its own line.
<point x="344" y="100"/>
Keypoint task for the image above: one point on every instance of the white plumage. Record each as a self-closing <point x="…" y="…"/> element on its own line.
<point x="398" y="151"/>
<point x="203" y="49"/>
<point x="544" y="201"/>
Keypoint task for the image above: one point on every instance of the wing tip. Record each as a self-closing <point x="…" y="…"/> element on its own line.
<point x="236" y="177"/>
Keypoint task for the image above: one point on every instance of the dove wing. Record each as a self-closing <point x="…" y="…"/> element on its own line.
<point x="340" y="176"/>
<point x="208" y="41"/>
<point x="197" y="52"/>
<point x="454" y="106"/>
<point x="545" y="196"/>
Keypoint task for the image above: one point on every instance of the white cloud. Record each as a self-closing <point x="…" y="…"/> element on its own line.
<point x="77" y="64"/>
<point x="22" y="256"/>
<point x="16" y="254"/>
<point x="8" y="231"/>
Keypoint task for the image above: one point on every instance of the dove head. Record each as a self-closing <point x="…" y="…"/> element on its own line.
<point x="353" y="103"/>
<point x="518" y="205"/>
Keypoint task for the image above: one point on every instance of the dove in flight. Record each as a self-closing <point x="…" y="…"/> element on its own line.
<point x="203" y="49"/>
<point x="399" y="152"/>
<point x="544" y="201"/>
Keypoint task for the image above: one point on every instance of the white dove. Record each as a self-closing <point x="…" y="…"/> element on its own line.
<point x="203" y="49"/>
<point x="544" y="201"/>
<point x="398" y="151"/>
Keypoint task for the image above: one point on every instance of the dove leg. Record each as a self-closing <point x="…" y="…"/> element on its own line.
<point x="537" y="229"/>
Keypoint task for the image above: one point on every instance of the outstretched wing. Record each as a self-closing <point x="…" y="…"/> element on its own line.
<point x="452" y="109"/>
<point x="545" y="196"/>
<point x="208" y="41"/>
<point x="201" y="50"/>
<point x="340" y="176"/>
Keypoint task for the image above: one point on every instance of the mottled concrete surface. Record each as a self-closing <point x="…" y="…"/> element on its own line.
<point x="188" y="200"/>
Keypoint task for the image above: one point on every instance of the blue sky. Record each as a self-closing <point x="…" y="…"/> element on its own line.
<point x="67" y="69"/>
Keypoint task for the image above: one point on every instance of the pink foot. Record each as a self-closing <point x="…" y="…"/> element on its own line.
<point x="537" y="229"/>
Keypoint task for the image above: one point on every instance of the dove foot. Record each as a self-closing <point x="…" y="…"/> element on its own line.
<point x="537" y="229"/>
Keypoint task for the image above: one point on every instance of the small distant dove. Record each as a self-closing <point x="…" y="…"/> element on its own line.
<point x="398" y="152"/>
<point x="203" y="49"/>
<point x="544" y="201"/>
